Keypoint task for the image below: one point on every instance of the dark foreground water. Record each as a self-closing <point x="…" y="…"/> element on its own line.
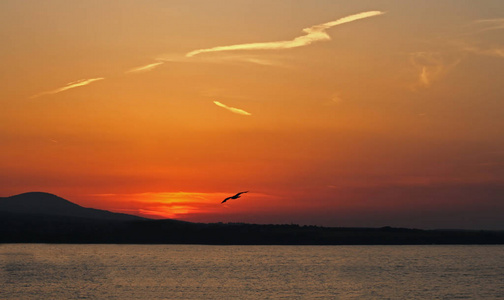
<point x="31" y="271"/>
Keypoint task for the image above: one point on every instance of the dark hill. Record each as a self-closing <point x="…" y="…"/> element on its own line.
<point x="38" y="203"/>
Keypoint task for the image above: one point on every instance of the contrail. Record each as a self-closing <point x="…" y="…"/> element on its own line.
<point x="145" y="68"/>
<point x="232" y="109"/>
<point x="70" y="85"/>
<point x="313" y="34"/>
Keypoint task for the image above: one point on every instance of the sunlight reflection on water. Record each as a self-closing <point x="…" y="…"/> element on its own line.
<point x="246" y="272"/>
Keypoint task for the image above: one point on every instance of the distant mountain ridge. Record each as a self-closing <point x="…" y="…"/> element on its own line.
<point x="39" y="203"/>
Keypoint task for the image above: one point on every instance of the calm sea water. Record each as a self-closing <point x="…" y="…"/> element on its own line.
<point x="30" y="271"/>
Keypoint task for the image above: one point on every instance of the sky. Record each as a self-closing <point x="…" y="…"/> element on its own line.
<point x="331" y="113"/>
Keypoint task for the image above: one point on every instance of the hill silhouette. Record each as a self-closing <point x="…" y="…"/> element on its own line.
<point x="39" y="203"/>
<point x="46" y="218"/>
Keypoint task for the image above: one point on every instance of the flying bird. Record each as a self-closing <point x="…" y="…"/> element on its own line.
<point x="234" y="197"/>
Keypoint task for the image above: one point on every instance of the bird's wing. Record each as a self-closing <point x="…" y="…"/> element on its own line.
<point x="225" y="199"/>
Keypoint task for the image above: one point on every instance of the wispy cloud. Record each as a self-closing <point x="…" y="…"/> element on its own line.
<point x="171" y="204"/>
<point x="261" y="60"/>
<point x="233" y="109"/>
<point x="166" y="204"/>
<point x="336" y="98"/>
<point x="68" y="86"/>
<point x="313" y="34"/>
<point x="492" y="51"/>
<point x="431" y="66"/>
<point x="145" y="68"/>
<point x="487" y="25"/>
<point x="253" y="59"/>
<point x="474" y="39"/>
<point x="483" y="46"/>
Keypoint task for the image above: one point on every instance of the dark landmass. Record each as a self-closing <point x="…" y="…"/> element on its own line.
<point x="37" y="203"/>
<point x="46" y="218"/>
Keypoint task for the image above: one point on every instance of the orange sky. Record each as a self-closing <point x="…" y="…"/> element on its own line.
<point x="356" y="113"/>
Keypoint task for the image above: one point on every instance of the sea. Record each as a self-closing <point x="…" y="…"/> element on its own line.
<point x="55" y="271"/>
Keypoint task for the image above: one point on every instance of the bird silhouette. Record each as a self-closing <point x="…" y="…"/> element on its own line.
<point x="234" y="197"/>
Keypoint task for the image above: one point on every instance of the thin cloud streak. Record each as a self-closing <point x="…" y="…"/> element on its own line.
<point x="232" y="58"/>
<point x="171" y="204"/>
<point x="313" y="34"/>
<point x="496" y="52"/>
<point x="233" y="109"/>
<point x="145" y="68"/>
<point x="70" y="85"/>
<point x="489" y="24"/>
<point x="431" y="66"/>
